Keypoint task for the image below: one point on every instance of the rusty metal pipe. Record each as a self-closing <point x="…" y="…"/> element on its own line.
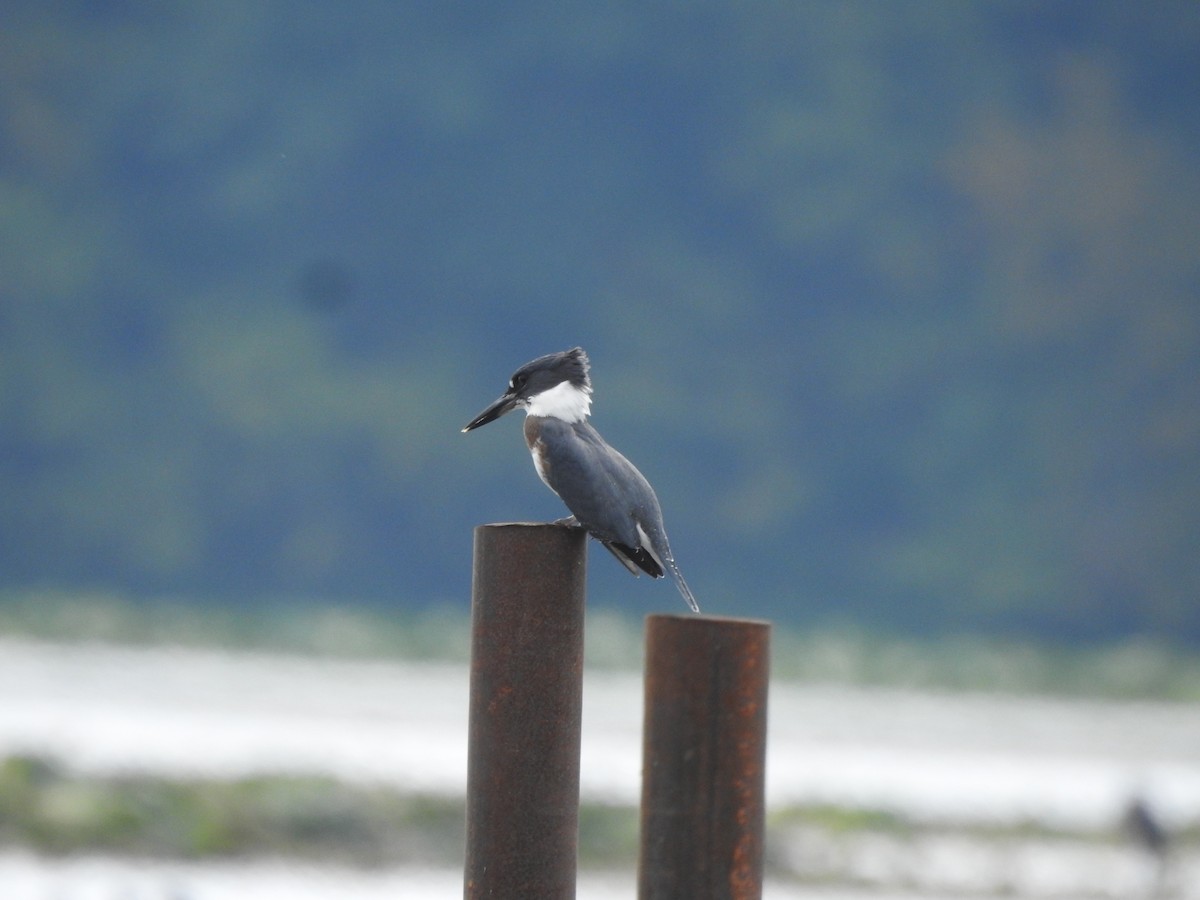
<point x="704" y="757"/>
<point x="527" y="603"/>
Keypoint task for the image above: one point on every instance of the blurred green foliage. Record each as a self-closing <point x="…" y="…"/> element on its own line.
<point x="48" y="809"/>
<point x="896" y="304"/>
<point x="54" y="811"/>
<point x="51" y="810"/>
<point x="1133" y="669"/>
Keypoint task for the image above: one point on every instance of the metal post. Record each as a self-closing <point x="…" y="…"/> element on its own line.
<point x="527" y="602"/>
<point x="704" y="758"/>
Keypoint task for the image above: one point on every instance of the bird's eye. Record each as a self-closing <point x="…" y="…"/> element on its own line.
<point x="517" y="381"/>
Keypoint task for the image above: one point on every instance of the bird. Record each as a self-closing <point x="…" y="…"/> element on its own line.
<point x="605" y="493"/>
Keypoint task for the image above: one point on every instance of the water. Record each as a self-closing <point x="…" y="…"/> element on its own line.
<point x="934" y="758"/>
<point x="947" y="872"/>
<point x="173" y="711"/>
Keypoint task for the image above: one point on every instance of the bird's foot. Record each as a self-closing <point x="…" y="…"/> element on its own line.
<point x="569" y="522"/>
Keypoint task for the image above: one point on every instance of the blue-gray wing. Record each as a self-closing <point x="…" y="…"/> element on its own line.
<point x="609" y="497"/>
<point x="604" y="491"/>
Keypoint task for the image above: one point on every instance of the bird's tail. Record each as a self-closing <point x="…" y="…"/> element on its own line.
<point x="684" y="590"/>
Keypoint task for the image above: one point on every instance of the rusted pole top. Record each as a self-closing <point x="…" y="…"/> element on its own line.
<point x="527" y="603"/>
<point x="704" y="758"/>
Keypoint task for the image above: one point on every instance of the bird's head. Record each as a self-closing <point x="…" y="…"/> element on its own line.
<point x="555" y="385"/>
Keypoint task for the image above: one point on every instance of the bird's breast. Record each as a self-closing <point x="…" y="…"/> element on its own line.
<point x="537" y="447"/>
<point x="533" y="430"/>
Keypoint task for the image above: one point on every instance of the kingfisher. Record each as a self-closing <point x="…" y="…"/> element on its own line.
<point x="605" y="493"/>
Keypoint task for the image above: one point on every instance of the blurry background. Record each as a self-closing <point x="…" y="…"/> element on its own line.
<point x="896" y="304"/>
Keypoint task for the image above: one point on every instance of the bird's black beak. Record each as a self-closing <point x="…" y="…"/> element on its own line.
<point x="508" y="402"/>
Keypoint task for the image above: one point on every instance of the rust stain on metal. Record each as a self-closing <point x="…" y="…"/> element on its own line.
<point x="526" y="696"/>
<point x="704" y="758"/>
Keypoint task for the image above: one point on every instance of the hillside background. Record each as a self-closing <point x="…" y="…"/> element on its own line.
<point x="896" y="304"/>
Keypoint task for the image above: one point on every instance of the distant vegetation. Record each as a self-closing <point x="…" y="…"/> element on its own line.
<point x="48" y="809"/>
<point x="52" y="811"/>
<point x="896" y="306"/>
<point x="1131" y="669"/>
